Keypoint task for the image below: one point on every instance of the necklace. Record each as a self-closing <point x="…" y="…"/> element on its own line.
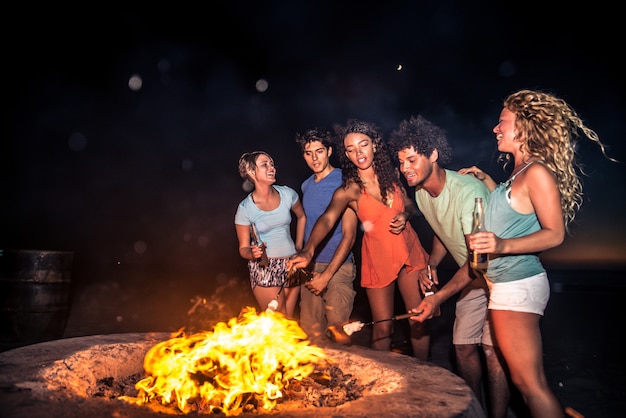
<point x="509" y="182"/>
<point x="519" y="170"/>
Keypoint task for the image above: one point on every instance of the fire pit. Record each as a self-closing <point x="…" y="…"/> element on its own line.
<point x="59" y="378"/>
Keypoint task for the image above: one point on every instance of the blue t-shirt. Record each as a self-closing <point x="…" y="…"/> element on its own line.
<point x="274" y="226"/>
<point x="315" y="198"/>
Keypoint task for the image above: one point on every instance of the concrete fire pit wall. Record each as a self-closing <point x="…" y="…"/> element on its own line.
<point x="55" y="378"/>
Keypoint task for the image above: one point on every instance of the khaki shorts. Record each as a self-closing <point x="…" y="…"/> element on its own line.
<point x="471" y="325"/>
<point x="333" y="306"/>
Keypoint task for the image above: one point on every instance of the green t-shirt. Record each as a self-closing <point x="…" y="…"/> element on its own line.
<point x="450" y="214"/>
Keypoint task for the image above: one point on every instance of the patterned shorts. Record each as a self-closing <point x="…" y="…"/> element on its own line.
<point x="273" y="275"/>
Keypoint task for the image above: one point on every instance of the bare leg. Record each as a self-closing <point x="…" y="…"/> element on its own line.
<point x="264" y="295"/>
<point x="381" y="305"/>
<point x="519" y="339"/>
<point x="499" y="392"/>
<point x="291" y="296"/>
<point x="470" y="368"/>
<point x="409" y="289"/>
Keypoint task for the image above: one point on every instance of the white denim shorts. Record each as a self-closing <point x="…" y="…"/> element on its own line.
<point x="526" y="295"/>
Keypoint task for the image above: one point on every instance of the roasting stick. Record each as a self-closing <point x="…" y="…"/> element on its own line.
<point x="355" y="326"/>
<point x="273" y="305"/>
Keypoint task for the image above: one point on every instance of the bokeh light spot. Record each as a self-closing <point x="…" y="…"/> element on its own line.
<point x="140" y="247"/>
<point x="247" y="186"/>
<point x="261" y="85"/>
<point x="135" y="82"/>
<point x="367" y="226"/>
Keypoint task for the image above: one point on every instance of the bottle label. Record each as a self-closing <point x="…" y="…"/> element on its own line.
<point x="478" y="261"/>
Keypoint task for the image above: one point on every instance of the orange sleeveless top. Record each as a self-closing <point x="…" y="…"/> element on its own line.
<point x="383" y="254"/>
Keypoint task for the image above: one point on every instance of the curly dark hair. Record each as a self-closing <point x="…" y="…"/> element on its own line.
<point x="388" y="175"/>
<point x="423" y="136"/>
<point x="315" y="134"/>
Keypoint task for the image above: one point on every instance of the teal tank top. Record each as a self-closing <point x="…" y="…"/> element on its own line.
<point x="505" y="222"/>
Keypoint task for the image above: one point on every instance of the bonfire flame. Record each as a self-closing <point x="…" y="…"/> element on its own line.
<point x="250" y="359"/>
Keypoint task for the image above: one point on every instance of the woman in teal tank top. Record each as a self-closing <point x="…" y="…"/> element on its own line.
<point x="528" y="214"/>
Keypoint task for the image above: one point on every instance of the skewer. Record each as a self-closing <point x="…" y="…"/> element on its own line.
<point x="355" y="326"/>
<point x="273" y="304"/>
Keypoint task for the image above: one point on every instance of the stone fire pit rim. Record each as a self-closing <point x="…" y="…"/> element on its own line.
<point x="426" y="390"/>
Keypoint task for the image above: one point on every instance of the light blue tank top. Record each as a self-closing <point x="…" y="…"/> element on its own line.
<point x="505" y="222"/>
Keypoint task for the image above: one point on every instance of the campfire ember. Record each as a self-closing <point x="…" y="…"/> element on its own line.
<point x="329" y="387"/>
<point x="255" y="360"/>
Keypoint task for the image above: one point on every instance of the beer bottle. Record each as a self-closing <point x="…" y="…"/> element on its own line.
<point x="256" y="240"/>
<point x="478" y="261"/>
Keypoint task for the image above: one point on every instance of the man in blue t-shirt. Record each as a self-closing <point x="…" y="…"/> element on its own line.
<point x="328" y="297"/>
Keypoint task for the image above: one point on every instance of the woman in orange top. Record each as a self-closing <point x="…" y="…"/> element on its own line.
<point x="391" y="250"/>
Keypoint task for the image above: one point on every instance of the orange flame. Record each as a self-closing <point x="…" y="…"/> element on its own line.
<point x="250" y="359"/>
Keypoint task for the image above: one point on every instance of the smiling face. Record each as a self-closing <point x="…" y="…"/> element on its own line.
<point x="265" y="170"/>
<point x="317" y="156"/>
<point x="360" y="150"/>
<point x="415" y="167"/>
<point x="505" y="132"/>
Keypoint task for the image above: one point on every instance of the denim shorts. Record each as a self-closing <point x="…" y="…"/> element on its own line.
<point x="526" y="295"/>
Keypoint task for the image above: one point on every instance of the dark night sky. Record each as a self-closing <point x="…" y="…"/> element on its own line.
<point x="149" y="176"/>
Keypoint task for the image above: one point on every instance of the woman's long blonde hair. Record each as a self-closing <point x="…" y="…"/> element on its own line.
<point x="548" y="129"/>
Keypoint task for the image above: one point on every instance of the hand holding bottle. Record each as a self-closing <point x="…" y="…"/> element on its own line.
<point x="432" y="290"/>
<point x="487" y="243"/>
<point x="256" y="241"/>
<point x="478" y="260"/>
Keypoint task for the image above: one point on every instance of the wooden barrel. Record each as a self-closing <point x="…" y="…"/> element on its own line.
<point x="34" y="296"/>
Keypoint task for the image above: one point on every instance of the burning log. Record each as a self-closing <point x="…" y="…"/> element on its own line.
<point x="325" y="387"/>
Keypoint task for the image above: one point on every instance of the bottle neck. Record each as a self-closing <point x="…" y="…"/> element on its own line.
<point x="479" y="216"/>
